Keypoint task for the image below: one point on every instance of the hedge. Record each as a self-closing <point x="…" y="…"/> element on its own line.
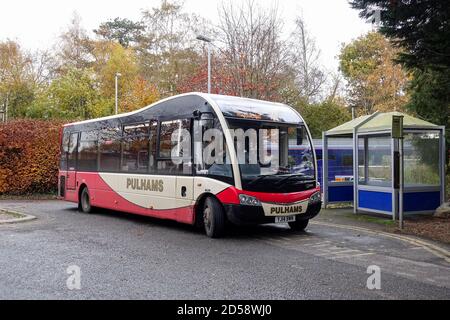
<point x="29" y="156"/>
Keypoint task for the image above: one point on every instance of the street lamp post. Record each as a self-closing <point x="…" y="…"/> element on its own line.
<point x="208" y="41"/>
<point x="117" y="91"/>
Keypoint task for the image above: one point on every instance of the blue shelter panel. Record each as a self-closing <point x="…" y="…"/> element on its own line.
<point x="421" y="201"/>
<point x="340" y="193"/>
<point x="375" y="200"/>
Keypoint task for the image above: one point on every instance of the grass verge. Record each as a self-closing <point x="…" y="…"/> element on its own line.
<point x="370" y="219"/>
<point x="7" y="215"/>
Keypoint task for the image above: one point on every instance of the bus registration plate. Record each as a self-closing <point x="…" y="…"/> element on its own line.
<point x="284" y="219"/>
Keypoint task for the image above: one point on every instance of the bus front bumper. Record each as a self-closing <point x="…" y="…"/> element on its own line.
<point x="251" y="215"/>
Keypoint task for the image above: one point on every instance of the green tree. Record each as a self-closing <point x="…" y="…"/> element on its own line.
<point x="422" y="30"/>
<point x="429" y="94"/>
<point x="324" y="116"/>
<point x="430" y="98"/>
<point x="375" y="81"/>
<point x="41" y="107"/>
<point x="111" y="58"/>
<point x="420" y="27"/>
<point x="72" y="95"/>
<point x="124" y="31"/>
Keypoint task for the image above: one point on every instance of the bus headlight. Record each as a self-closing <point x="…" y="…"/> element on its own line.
<point x="248" y="200"/>
<point x="315" y="198"/>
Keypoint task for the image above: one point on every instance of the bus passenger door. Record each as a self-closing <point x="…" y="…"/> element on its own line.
<point x="72" y="162"/>
<point x="184" y="196"/>
<point x="184" y="191"/>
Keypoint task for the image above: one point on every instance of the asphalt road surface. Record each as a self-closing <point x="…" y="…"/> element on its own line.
<point x="122" y="256"/>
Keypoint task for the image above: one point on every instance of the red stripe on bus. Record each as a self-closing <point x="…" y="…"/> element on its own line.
<point x="231" y="196"/>
<point x="103" y="196"/>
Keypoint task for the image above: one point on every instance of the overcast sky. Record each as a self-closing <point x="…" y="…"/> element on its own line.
<point x="36" y="24"/>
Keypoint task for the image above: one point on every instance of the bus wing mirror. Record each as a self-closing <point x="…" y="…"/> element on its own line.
<point x="197" y="114"/>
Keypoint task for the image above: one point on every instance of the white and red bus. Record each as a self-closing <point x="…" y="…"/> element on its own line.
<point x="195" y="158"/>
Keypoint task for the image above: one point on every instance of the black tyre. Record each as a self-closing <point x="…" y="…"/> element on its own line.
<point x="85" y="201"/>
<point x="299" y="225"/>
<point x="213" y="218"/>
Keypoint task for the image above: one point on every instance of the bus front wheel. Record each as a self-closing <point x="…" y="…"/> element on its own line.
<point x="299" y="225"/>
<point x="213" y="218"/>
<point x="85" y="201"/>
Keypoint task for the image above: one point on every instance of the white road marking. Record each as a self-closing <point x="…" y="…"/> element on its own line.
<point x="355" y="255"/>
<point x="336" y="254"/>
<point x="342" y="251"/>
<point x="345" y="251"/>
<point x="319" y="245"/>
<point x="430" y="247"/>
<point x="405" y="274"/>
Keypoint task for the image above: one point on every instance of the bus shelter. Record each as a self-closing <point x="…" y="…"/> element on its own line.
<point x="389" y="175"/>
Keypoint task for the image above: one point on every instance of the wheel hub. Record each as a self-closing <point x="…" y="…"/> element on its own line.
<point x="207" y="217"/>
<point x="85" y="201"/>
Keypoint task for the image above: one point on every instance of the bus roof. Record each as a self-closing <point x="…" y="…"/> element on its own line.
<point x="230" y="106"/>
<point x="251" y="109"/>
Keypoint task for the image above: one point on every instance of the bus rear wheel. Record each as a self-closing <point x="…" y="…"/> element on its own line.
<point x="85" y="201"/>
<point x="213" y="218"/>
<point x="299" y="225"/>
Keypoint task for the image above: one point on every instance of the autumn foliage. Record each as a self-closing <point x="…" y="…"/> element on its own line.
<point x="29" y="155"/>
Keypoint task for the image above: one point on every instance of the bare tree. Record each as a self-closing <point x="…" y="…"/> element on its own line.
<point x="335" y="86"/>
<point x="169" y="28"/>
<point x="309" y="77"/>
<point x="253" y="51"/>
<point x="44" y="65"/>
<point x="167" y="49"/>
<point x="74" y="49"/>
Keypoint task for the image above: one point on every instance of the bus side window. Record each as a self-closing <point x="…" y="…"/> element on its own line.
<point x="109" y="150"/>
<point x="64" y="151"/>
<point x="221" y="171"/>
<point x="153" y="140"/>
<point x="135" y="148"/>
<point x="72" y="152"/>
<point x="168" y="163"/>
<point x="88" y="151"/>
